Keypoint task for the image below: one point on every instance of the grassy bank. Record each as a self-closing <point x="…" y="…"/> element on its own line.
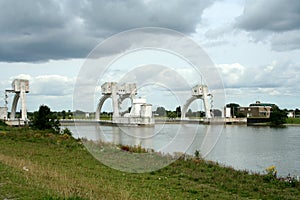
<point x="293" y="121"/>
<point x="41" y="165"/>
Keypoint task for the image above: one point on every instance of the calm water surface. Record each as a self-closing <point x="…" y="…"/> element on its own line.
<point x="255" y="148"/>
<point x="242" y="147"/>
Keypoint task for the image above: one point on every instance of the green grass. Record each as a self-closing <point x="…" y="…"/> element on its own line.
<point x="293" y="120"/>
<point x="41" y="165"/>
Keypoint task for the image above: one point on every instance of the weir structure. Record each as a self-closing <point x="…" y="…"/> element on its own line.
<point x="19" y="87"/>
<point x="140" y="113"/>
<point x="199" y="92"/>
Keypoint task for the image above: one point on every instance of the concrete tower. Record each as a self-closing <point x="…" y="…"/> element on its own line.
<point x="199" y="92"/>
<point x="20" y="87"/>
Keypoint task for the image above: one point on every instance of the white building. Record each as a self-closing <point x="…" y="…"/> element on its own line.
<point x="227" y="112"/>
<point x="140" y="113"/>
<point x="140" y="108"/>
<point x="3" y="113"/>
<point x="291" y="114"/>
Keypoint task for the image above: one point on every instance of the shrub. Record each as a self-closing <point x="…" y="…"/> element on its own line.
<point x="271" y="174"/>
<point x="277" y="116"/>
<point x="2" y="123"/>
<point x="134" y="149"/>
<point x="197" y="154"/>
<point x="272" y="171"/>
<point x="67" y="131"/>
<point x="44" y="119"/>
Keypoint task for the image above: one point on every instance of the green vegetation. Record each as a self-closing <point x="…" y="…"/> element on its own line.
<point x="44" y="119"/>
<point x="2" y="124"/>
<point x="105" y="116"/>
<point x="133" y="149"/>
<point x="277" y="116"/>
<point x="162" y="112"/>
<point x="37" y="164"/>
<point x="293" y="120"/>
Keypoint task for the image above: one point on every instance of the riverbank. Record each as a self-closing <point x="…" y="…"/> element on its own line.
<point x="215" y="121"/>
<point x="42" y="165"/>
<point x="293" y="121"/>
<point x="227" y="121"/>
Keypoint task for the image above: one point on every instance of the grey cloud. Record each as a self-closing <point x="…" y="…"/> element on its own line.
<point x="278" y="79"/>
<point x="276" y="75"/>
<point x="42" y="30"/>
<point x="218" y="32"/>
<point x="276" y="21"/>
<point x="288" y="41"/>
<point x="275" y="15"/>
<point x="51" y="85"/>
<point x="157" y="74"/>
<point x="55" y="45"/>
<point x="25" y="17"/>
<point x="121" y="15"/>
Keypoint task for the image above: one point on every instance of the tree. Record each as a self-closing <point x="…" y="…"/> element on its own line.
<point x="277" y="116"/>
<point x="161" y="111"/>
<point x="178" y="111"/>
<point x="171" y="114"/>
<point x="189" y="113"/>
<point x="69" y="114"/>
<point x="64" y="114"/>
<point x="44" y="119"/>
<point x="217" y="113"/>
<point x="199" y="114"/>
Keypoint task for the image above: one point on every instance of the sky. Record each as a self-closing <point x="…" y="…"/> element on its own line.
<point x="254" y="45"/>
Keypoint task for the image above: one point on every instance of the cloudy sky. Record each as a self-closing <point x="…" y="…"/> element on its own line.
<point x="255" y="44"/>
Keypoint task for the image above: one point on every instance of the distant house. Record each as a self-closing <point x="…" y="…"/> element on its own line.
<point x="291" y="114"/>
<point x="257" y="110"/>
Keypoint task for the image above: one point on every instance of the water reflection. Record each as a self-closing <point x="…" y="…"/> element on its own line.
<point x="168" y="139"/>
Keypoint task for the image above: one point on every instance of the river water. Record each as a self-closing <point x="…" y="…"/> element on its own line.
<point x="243" y="147"/>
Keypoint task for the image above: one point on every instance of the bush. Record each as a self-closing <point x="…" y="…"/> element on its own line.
<point x="271" y="174"/>
<point x="277" y="116"/>
<point x="133" y="149"/>
<point x="197" y="154"/>
<point x="67" y="131"/>
<point x="44" y="119"/>
<point x="2" y="123"/>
